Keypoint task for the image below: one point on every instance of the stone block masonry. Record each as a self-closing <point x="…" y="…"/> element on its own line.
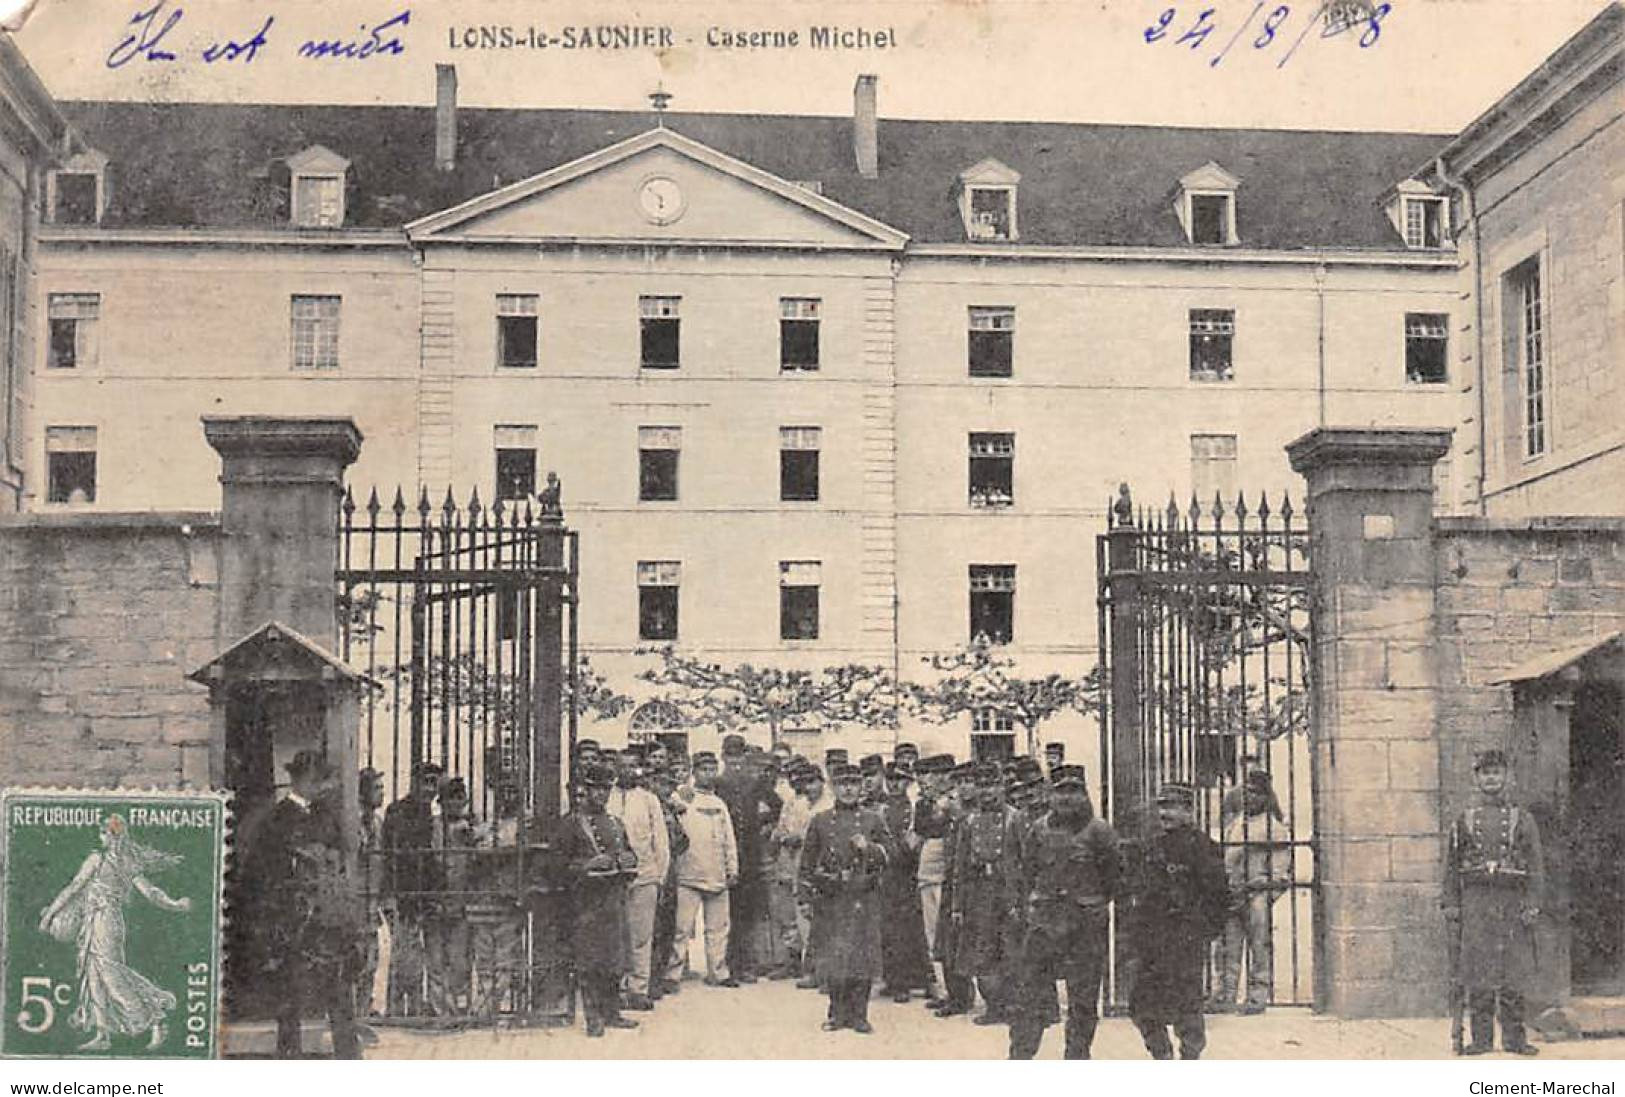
<point x="102" y="616"/>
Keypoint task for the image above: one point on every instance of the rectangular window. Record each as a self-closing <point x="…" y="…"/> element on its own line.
<point x="992" y="603"/>
<point x="992" y="341"/>
<point x="1210" y="218"/>
<point x="315" y="332"/>
<point x="658" y="450"/>
<point x="992" y="470"/>
<point x="1427" y="339"/>
<point x="658" y="582"/>
<point x="798" y="599"/>
<point x="798" y="333"/>
<point x="987" y="720"/>
<point x="1213" y="332"/>
<point x="1424" y="222"/>
<point x="798" y="464"/>
<point x="991" y="215"/>
<point x="317" y="201"/>
<point x="72" y="318"/>
<point x="1213" y="468"/>
<point x="993" y="737"/>
<point x="70" y="457"/>
<point x="516" y="330"/>
<point x="76" y="198"/>
<point x="1530" y="351"/>
<point x="658" y="319"/>
<point x="516" y="462"/>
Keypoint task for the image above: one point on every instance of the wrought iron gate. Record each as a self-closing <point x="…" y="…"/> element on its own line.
<point x="463" y="618"/>
<point x="1205" y="633"/>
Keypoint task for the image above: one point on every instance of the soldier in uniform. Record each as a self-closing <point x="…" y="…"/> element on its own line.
<point x="496" y="917"/>
<point x="931" y="824"/>
<point x="414" y="879"/>
<point x="1066" y="875"/>
<point x="1178" y="899"/>
<point x="958" y="802"/>
<point x="663" y="782"/>
<point x="982" y="902"/>
<point x="1494" y="877"/>
<point x="905" y="960"/>
<point x="370" y="794"/>
<point x="599" y="861"/>
<point x="312" y="914"/>
<point x="842" y="861"/>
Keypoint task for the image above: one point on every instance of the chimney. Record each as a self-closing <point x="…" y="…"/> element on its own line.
<point x="865" y="141"/>
<point x="445" y="117"/>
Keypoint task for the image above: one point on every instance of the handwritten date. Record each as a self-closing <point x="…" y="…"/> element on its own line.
<point x="1339" y="17"/>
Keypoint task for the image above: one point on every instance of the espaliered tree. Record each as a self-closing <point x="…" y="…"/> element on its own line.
<point x="979" y="677"/>
<point x="735" y="698"/>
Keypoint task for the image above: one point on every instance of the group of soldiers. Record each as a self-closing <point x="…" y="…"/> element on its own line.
<point x="951" y="880"/>
<point x="845" y="874"/>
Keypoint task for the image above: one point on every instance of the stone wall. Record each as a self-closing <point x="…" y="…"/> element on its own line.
<point x="101" y="618"/>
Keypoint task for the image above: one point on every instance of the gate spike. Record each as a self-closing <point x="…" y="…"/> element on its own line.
<point x="373" y="505"/>
<point x="1286" y="507"/>
<point x="399" y="505"/>
<point x="349" y="502"/>
<point x="474" y="508"/>
<point x="529" y="521"/>
<point x="1195" y="512"/>
<point x="1173" y="510"/>
<point x="1241" y="509"/>
<point x="496" y="512"/>
<point x="1218" y="508"/>
<point x="1263" y="507"/>
<point x="424" y="506"/>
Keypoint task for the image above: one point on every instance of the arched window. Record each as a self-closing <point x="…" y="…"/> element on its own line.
<point x="659" y="722"/>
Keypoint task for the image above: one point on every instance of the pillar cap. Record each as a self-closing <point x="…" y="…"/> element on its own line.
<point x="1325" y="446"/>
<point x="283" y="436"/>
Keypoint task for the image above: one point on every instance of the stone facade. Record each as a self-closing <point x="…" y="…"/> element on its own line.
<point x="101" y="618"/>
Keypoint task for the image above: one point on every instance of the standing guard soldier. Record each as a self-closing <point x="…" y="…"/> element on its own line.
<point x="599" y="862"/>
<point x="932" y="822"/>
<point x="842" y="860"/>
<point x="1494" y="878"/>
<point x="1178" y="900"/>
<point x="905" y="960"/>
<point x="312" y="916"/>
<point x="1066" y="875"/>
<point x="960" y="801"/>
<point x="982" y="901"/>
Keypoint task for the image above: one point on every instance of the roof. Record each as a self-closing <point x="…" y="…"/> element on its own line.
<point x="1541" y="666"/>
<point x="272" y="644"/>
<point x="224" y="165"/>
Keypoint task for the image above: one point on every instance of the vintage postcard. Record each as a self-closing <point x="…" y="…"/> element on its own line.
<point x="903" y="530"/>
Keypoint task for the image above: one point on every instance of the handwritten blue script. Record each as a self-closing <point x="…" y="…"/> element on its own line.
<point x="147" y="35"/>
<point x="1339" y="17"/>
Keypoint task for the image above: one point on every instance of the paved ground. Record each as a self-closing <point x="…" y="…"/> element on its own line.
<point x="777" y="1021"/>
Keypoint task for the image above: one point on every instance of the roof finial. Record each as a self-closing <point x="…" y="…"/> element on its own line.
<point x="660" y="99"/>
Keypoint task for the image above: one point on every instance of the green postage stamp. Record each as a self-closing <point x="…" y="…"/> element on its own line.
<point x="110" y="929"/>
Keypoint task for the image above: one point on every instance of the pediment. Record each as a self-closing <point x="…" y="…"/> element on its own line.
<point x="658" y="186"/>
<point x="989" y="173"/>
<point x="1210" y="176"/>
<point x="318" y="160"/>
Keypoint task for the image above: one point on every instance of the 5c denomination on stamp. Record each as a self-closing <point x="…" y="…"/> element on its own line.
<point x="110" y="925"/>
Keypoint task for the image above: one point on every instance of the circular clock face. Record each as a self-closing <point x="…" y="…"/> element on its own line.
<point x="661" y="200"/>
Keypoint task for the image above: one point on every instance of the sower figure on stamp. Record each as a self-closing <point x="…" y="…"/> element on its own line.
<point x="842" y="862"/>
<point x="1178" y="899"/>
<point x="1494" y="877"/>
<point x="1066" y="876"/>
<point x="312" y="916"/>
<point x="599" y="861"/>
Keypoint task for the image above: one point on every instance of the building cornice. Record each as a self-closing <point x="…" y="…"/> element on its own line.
<point x="319" y="239"/>
<point x="29" y="102"/>
<point x="1433" y="259"/>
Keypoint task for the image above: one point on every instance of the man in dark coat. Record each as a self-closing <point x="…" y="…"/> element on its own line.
<point x="1066" y="875"/>
<point x="664" y="783"/>
<point x="905" y="962"/>
<point x="753" y="808"/>
<point x="599" y="861"/>
<point x="1494" y="877"/>
<point x="414" y="883"/>
<point x="842" y="861"/>
<point x="1178" y="899"/>
<point x="982" y="900"/>
<point x="312" y="916"/>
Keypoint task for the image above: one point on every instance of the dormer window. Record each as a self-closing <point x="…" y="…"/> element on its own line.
<point x="987" y="201"/>
<point x="1206" y="206"/>
<point x="76" y="193"/>
<point x="317" y="178"/>
<point x="1424" y="222"/>
<point x="1421" y="217"/>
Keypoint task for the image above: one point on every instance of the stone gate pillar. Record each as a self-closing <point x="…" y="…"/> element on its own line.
<point x="281" y="478"/>
<point x="1375" y="752"/>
